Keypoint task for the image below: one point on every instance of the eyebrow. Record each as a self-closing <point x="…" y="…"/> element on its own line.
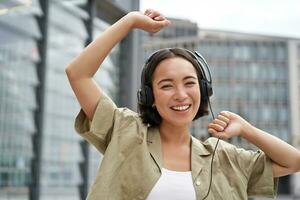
<point x="170" y="80"/>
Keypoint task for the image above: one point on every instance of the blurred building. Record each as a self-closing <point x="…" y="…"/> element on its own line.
<point x="18" y="81"/>
<point x="41" y="156"/>
<point x="294" y="93"/>
<point x="255" y="76"/>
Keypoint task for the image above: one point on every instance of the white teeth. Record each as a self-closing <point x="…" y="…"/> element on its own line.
<point x="180" y="108"/>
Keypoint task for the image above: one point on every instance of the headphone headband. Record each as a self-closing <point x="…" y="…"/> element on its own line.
<point x="196" y="55"/>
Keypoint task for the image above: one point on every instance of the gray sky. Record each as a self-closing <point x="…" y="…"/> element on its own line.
<point x="271" y="17"/>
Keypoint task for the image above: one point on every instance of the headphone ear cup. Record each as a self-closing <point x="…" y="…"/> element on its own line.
<point x="149" y="99"/>
<point x="145" y="96"/>
<point x="205" y="89"/>
<point x="141" y="97"/>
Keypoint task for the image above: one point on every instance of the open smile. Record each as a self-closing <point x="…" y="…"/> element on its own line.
<point x="181" y="107"/>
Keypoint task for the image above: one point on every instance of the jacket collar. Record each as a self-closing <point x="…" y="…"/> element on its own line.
<point x="154" y="146"/>
<point x="199" y="148"/>
<point x="198" y="151"/>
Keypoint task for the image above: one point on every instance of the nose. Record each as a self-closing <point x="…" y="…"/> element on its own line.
<point x="180" y="94"/>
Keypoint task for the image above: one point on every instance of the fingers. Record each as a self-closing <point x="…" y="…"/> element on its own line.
<point x="152" y="21"/>
<point x="164" y="23"/>
<point x="152" y="13"/>
<point x="215" y="126"/>
<point x="221" y="121"/>
<point x="155" y="15"/>
<point x="221" y="135"/>
<point x="147" y="12"/>
<point x="218" y="125"/>
<point x="225" y="114"/>
<point x="159" y="18"/>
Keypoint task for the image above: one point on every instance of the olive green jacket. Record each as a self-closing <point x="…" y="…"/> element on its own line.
<point x="133" y="160"/>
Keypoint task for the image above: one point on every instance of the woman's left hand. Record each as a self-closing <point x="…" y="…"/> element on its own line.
<point x="227" y="125"/>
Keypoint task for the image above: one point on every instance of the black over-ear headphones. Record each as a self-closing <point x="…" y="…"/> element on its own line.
<point x="145" y="94"/>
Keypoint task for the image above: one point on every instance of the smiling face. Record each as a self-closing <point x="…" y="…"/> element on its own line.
<point x="176" y="91"/>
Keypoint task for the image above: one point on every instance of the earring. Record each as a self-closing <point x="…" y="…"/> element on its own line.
<point x="153" y="105"/>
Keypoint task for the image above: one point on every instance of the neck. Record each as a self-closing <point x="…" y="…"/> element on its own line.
<point x="174" y="134"/>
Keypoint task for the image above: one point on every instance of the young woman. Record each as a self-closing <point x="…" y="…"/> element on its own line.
<point x="151" y="155"/>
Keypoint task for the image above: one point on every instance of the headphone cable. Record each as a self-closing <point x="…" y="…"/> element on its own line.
<point x="214" y="152"/>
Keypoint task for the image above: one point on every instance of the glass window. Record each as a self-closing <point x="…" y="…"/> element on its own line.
<point x="265" y="51"/>
<point x="245" y="52"/>
<point x="252" y="51"/>
<point x="254" y="71"/>
<point x="18" y="81"/>
<point x="281" y="52"/>
<point x="236" y="52"/>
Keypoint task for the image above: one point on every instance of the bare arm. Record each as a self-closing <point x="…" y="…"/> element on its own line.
<point x="285" y="158"/>
<point x="81" y="70"/>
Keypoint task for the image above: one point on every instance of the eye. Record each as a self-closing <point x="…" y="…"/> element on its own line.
<point x="190" y="83"/>
<point x="166" y="87"/>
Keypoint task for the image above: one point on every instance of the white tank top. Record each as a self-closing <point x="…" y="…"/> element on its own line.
<point x="173" y="185"/>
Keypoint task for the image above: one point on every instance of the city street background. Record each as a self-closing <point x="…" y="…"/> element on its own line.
<point x="252" y="47"/>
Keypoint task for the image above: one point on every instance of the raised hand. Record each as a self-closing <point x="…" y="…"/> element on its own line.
<point x="227" y="125"/>
<point x="151" y="21"/>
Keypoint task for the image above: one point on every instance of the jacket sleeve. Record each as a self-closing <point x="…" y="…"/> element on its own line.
<point x="106" y="120"/>
<point x="257" y="167"/>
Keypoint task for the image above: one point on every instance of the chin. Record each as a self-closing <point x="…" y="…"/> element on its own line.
<point x="180" y="122"/>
